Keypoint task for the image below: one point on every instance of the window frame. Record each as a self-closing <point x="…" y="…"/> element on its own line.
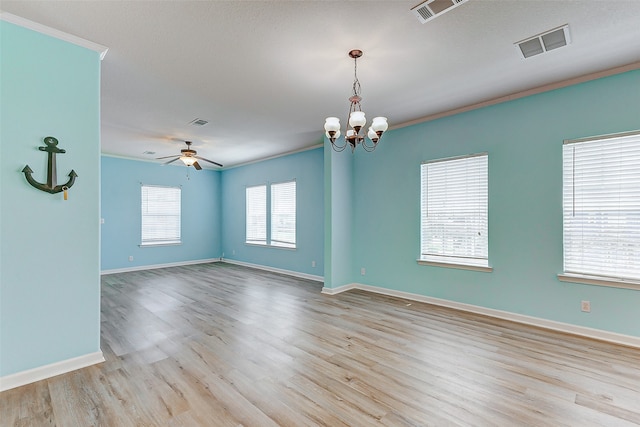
<point x="590" y="205"/>
<point x="467" y="260"/>
<point x="167" y="240"/>
<point x="256" y="233"/>
<point x="269" y="216"/>
<point x="274" y="216"/>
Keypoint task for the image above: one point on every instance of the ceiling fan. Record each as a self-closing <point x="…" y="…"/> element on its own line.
<point x="189" y="157"/>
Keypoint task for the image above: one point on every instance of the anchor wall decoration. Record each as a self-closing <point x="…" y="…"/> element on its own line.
<point x="51" y="185"/>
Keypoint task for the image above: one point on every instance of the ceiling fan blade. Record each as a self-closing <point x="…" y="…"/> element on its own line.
<point x="197" y="166"/>
<point x="210" y="161"/>
<point x="170" y="161"/>
<point x="165" y="157"/>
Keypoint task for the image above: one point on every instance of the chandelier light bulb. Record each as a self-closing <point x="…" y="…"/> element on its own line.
<point x="379" y="124"/>
<point x="357" y="120"/>
<point x="372" y="135"/>
<point x="332" y="124"/>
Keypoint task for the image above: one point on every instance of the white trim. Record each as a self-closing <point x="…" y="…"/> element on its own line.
<point x="339" y="289"/>
<point x="155" y="266"/>
<point x="47" y="371"/>
<point x="287" y="153"/>
<point x="601" y="137"/>
<point x="523" y="94"/>
<point x="599" y="281"/>
<point x="275" y="270"/>
<point x="598" y="334"/>
<point x="458" y="265"/>
<point x="52" y="32"/>
<point x="155" y="245"/>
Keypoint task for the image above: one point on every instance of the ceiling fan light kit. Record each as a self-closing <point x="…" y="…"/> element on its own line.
<point x="189" y="157"/>
<point x="356" y="120"/>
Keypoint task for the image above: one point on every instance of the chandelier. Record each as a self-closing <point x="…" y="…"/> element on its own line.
<point x="357" y="120"/>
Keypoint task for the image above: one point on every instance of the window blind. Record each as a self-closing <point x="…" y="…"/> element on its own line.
<point x="160" y="215"/>
<point x="601" y="207"/>
<point x="283" y="214"/>
<point x="256" y="215"/>
<point x="454" y="210"/>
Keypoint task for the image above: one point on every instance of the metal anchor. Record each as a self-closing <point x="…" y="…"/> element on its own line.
<point x="50" y="186"/>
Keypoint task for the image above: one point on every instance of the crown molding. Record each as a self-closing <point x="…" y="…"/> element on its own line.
<point x="70" y="38"/>
<point x="517" y="95"/>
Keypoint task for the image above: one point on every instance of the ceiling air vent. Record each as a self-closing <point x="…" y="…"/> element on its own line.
<point x="198" y="122"/>
<point x="544" y="42"/>
<point x="430" y="9"/>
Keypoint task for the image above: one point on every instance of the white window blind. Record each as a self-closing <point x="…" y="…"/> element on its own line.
<point x="160" y="215"/>
<point x="256" y="215"/>
<point x="454" y="210"/>
<point x="601" y="207"/>
<point x="283" y="214"/>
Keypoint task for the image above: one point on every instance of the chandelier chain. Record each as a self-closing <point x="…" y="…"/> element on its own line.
<point x="356" y="82"/>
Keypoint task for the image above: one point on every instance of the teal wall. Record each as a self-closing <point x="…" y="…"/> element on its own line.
<point x="49" y="248"/>
<point x="121" y="211"/>
<point x="524" y="140"/>
<point x="307" y="169"/>
<point x="338" y="238"/>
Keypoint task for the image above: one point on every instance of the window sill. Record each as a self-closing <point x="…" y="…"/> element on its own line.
<point x="457" y="265"/>
<point x="264" y="245"/>
<point x="599" y="281"/>
<point x="148" y="245"/>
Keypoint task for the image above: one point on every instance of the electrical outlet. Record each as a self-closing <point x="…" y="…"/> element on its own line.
<point x="313" y="263"/>
<point x="130" y="257"/>
<point x="585" y="306"/>
<point x="363" y="271"/>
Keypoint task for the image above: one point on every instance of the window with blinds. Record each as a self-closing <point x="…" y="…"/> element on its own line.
<point x="160" y="215"/>
<point x="283" y="214"/>
<point x="454" y="211"/>
<point x="256" y="215"/>
<point x="601" y="207"/>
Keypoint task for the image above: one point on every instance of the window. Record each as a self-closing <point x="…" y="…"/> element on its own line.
<point x="282" y="215"/>
<point x="454" y="212"/>
<point x="601" y="207"/>
<point x="160" y="215"/>
<point x="256" y="220"/>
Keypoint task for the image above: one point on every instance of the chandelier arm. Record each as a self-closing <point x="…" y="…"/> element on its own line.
<point x="368" y="148"/>
<point x="339" y="148"/>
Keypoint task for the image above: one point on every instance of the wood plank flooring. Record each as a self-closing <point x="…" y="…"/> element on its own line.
<point x="223" y="345"/>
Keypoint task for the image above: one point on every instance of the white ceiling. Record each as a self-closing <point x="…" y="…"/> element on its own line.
<point x="265" y="74"/>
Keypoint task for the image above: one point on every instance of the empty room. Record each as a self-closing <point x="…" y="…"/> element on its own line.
<point x="303" y="213"/>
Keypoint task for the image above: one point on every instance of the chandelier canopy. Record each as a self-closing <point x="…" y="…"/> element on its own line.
<point x="356" y="121"/>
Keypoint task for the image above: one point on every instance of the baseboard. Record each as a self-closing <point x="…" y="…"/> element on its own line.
<point x="155" y="266"/>
<point x="43" y="372"/>
<point x="276" y="270"/>
<point x="598" y="334"/>
<point x="343" y="288"/>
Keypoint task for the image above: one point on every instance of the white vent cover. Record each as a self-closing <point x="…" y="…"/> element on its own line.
<point x="429" y="9"/>
<point x="544" y="42"/>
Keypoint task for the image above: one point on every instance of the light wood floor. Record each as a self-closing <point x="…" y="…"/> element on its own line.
<point x="222" y="345"/>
